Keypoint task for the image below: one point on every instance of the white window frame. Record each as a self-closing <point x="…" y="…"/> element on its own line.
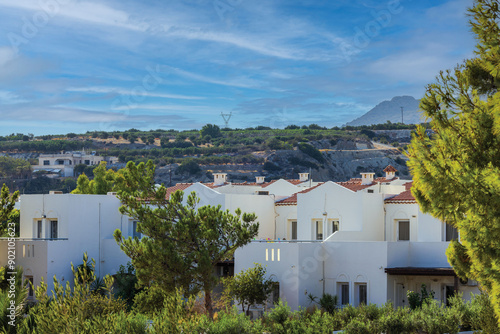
<point x="398" y="227"/>
<point x="291" y="229"/>
<point x="54" y="232"/>
<point x="357" y="293"/>
<point x="317" y="229"/>
<point x="342" y="289"/>
<point x="332" y="226"/>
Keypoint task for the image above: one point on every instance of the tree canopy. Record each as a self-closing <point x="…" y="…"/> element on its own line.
<point x="456" y="170"/>
<point x="7" y="203"/>
<point x="249" y="287"/>
<point x="182" y="242"/>
<point x="105" y="180"/>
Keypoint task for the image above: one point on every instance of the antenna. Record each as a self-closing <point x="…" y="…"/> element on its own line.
<point x="402" y="122"/>
<point x="226" y="117"/>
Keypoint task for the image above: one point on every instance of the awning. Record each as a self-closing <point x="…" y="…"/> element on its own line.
<point x="420" y="271"/>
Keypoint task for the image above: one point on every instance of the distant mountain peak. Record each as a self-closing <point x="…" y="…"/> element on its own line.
<point x="391" y="111"/>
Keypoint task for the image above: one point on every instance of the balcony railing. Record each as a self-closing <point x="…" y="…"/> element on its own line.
<point x="269" y="241"/>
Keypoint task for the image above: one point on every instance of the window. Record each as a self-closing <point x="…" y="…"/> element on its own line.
<point x="53" y="229"/>
<point x="39" y="229"/>
<point x="60" y="162"/>
<point x="451" y="232"/>
<point x="318" y="229"/>
<point x="29" y="285"/>
<point x="343" y="288"/>
<point x="46" y="162"/>
<point x="276" y="293"/>
<point x="404" y="230"/>
<point x="361" y="293"/>
<point x="135" y="233"/>
<point x="293" y="226"/>
<point x="332" y="227"/>
<point x="87" y="162"/>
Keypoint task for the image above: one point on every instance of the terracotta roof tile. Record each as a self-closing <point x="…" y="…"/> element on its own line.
<point x="292" y="200"/>
<point x="404" y="198"/>
<point x="390" y="169"/>
<point x="178" y="186"/>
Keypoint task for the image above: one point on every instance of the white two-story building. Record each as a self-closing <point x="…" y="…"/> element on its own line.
<point x="364" y="240"/>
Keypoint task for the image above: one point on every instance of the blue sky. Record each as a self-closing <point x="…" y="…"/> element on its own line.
<point x="77" y="66"/>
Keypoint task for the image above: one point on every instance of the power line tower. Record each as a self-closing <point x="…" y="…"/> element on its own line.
<point x="226" y="118"/>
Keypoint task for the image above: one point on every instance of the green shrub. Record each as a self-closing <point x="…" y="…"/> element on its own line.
<point x="311" y="151"/>
<point x="328" y="302"/>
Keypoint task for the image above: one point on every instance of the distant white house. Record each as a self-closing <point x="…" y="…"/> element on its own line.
<point x="64" y="163"/>
<point x="364" y="240"/>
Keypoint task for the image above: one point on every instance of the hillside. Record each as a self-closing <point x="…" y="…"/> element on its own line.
<point x="189" y="156"/>
<point x="391" y="111"/>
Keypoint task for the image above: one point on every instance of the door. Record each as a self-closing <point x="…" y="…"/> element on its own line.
<point x="400" y="295"/>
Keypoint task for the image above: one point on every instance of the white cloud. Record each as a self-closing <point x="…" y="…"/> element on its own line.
<point x="91" y="12"/>
<point x="242" y="82"/>
<point x="7" y="97"/>
<point x="107" y="90"/>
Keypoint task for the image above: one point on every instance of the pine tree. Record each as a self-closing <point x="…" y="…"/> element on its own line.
<point x="456" y="169"/>
<point x="182" y="243"/>
<point x="7" y="203"/>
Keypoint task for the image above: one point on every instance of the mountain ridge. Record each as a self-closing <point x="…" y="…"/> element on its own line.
<point x="390" y="110"/>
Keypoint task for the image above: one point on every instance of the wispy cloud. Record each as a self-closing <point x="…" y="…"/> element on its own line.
<point x="117" y="90"/>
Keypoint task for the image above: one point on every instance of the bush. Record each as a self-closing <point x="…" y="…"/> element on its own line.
<point x="311" y="151"/>
<point x="188" y="166"/>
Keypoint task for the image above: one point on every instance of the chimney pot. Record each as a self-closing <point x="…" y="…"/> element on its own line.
<point x="220" y="178"/>
<point x="303" y="177"/>
<point x="367" y="178"/>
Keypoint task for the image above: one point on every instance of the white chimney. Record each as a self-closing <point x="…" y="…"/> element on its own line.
<point x="390" y="172"/>
<point x="259" y="179"/>
<point x="303" y="177"/>
<point x="367" y="178"/>
<point x="220" y="179"/>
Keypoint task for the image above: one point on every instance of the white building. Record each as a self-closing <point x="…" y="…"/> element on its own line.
<point x="364" y="240"/>
<point x="56" y="229"/>
<point x="64" y="163"/>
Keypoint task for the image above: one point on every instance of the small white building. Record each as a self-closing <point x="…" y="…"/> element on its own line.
<point x="64" y="163"/>
<point x="56" y="229"/>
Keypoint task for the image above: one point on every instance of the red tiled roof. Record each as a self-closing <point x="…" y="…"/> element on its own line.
<point x="292" y="200"/>
<point x="355" y="185"/>
<point x="178" y="186"/>
<point x="390" y="169"/>
<point x="295" y="182"/>
<point x="404" y="198"/>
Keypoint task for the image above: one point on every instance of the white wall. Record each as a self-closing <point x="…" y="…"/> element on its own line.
<point x="86" y="221"/>
<point x="357" y="262"/>
<point x="298" y="267"/>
